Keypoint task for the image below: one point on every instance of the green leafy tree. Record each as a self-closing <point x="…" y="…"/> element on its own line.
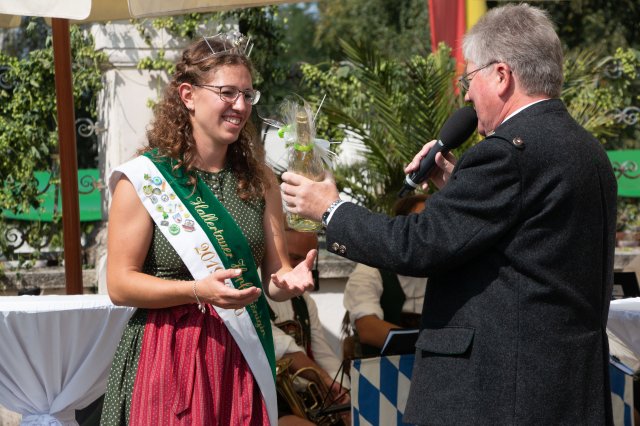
<point x="30" y="35"/>
<point x="594" y="97"/>
<point x="261" y="24"/>
<point x="395" y="28"/>
<point x="28" y="125"/>
<point x="389" y="106"/>
<point x="595" y="23"/>
<point x="299" y="26"/>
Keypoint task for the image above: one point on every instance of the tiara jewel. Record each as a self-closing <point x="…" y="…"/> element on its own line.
<point x="232" y="42"/>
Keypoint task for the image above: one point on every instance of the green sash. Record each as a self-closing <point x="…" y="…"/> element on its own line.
<point x="227" y="239"/>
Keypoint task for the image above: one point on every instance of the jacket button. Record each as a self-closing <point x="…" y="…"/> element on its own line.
<point x="342" y="249"/>
<point x="518" y="142"/>
<point x="335" y="246"/>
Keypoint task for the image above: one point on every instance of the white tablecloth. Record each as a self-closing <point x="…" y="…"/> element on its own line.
<point x="55" y="353"/>
<point x="623" y="328"/>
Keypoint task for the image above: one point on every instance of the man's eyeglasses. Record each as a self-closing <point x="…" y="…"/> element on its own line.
<point x="465" y="80"/>
<point x="230" y="94"/>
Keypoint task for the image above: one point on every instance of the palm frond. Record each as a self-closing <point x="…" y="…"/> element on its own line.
<point x="405" y="103"/>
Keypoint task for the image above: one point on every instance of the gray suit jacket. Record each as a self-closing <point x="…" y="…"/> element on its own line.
<point x="519" y="249"/>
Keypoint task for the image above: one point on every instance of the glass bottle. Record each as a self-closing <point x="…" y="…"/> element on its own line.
<point x="303" y="161"/>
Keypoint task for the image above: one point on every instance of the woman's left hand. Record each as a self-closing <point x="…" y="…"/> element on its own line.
<point x="299" y="279"/>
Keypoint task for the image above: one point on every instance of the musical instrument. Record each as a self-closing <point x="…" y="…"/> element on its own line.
<point x="309" y="399"/>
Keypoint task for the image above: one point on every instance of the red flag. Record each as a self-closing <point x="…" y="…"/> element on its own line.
<point x="448" y="25"/>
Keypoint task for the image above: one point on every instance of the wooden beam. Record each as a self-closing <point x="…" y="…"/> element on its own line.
<point x="68" y="155"/>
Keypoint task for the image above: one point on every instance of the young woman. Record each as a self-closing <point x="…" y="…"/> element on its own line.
<point x="191" y="221"/>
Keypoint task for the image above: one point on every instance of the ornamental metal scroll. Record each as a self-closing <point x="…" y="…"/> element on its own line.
<point x="19" y="234"/>
<point x="25" y="236"/>
<point x="5" y="82"/>
<point x="613" y="69"/>
<point x="87" y="184"/>
<point x="629" y="115"/>
<point x="87" y="127"/>
<point x="627" y="169"/>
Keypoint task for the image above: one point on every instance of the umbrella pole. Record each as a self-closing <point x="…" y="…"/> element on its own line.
<point x="68" y="155"/>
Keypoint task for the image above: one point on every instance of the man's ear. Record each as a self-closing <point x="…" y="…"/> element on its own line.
<point x="505" y="77"/>
<point x="186" y="94"/>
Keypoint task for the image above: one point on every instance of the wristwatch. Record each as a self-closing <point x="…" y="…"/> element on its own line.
<point x="327" y="213"/>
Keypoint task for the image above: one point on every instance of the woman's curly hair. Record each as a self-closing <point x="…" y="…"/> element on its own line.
<point x="171" y="132"/>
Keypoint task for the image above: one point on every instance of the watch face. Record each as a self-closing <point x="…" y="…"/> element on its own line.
<point x="325" y="216"/>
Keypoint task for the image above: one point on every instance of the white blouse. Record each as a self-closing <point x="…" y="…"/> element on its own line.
<point x="364" y="289"/>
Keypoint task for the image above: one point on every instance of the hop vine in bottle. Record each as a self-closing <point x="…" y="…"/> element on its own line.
<point x="304" y="161"/>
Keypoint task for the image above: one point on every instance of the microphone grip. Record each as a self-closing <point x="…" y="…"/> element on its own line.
<point x="427" y="164"/>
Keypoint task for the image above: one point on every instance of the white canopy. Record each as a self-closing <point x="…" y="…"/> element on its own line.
<point x="110" y="10"/>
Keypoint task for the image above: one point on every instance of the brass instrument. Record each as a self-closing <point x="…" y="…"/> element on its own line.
<point x="306" y="397"/>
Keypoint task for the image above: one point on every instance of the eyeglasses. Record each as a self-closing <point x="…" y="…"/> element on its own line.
<point x="230" y="94"/>
<point x="464" y="80"/>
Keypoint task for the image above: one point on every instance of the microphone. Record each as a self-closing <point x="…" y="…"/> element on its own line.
<point x="455" y="130"/>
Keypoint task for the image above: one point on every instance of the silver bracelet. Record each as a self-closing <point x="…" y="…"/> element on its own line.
<point x="201" y="306"/>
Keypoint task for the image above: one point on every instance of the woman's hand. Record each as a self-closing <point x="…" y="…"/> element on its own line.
<point x="299" y="279"/>
<point x="213" y="289"/>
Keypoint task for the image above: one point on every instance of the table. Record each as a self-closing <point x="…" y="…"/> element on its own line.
<point x="626" y="267"/>
<point x="623" y="328"/>
<point x="55" y="353"/>
<point x="626" y="259"/>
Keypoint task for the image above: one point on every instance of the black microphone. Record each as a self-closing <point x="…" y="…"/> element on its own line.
<point x="455" y="130"/>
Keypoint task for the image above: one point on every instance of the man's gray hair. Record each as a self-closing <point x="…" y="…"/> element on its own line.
<point x="523" y="37"/>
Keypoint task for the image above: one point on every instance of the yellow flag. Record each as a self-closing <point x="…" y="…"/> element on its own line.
<point x="475" y="9"/>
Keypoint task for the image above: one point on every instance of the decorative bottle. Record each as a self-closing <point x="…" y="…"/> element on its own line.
<point x="304" y="161"/>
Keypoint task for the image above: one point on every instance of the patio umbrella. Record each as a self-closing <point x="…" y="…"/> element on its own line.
<point x="84" y="11"/>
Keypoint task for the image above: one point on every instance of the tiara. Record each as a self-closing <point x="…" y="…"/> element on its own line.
<point x="232" y="42"/>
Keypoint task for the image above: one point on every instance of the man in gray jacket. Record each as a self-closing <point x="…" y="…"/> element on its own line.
<point x="518" y="245"/>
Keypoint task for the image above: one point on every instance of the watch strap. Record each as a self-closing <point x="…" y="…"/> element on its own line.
<point x="326" y="216"/>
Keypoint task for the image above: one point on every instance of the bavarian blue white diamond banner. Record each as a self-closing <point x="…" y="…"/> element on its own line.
<point x="379" y="389"/>
<point x="621" y="394"/>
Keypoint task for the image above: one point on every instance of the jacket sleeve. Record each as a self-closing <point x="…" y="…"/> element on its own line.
<point x="479" y="205"/>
